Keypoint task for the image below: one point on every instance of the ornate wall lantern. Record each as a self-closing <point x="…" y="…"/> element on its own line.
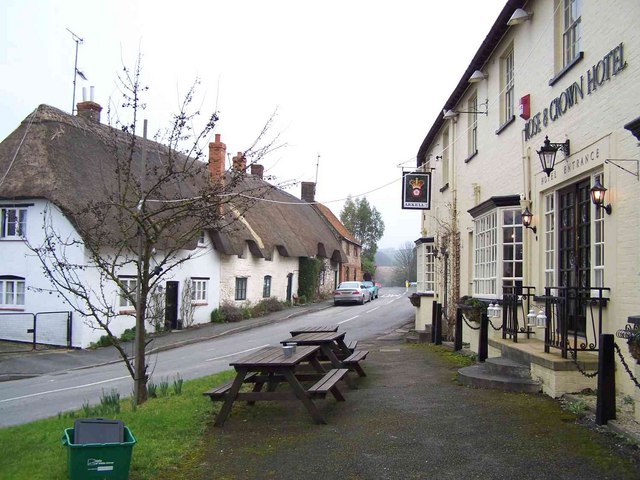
<point x="547" y="154"/>
<point x="597" y="196"/>
<point x="527" y="218"/>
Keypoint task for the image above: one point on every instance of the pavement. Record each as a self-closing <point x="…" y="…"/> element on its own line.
<point x="21" y="361"/>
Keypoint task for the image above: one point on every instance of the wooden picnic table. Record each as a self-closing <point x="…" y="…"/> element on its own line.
<point x="269" y="366"/>
<point x="334" y="349"/>
<point x="314" y="329"/>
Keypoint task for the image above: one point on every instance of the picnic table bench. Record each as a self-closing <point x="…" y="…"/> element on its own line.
<point x="269" y="366"/>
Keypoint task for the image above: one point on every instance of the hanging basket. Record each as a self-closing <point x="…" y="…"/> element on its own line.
<point x="415" y="300"/>
<point x="634" y="347"/>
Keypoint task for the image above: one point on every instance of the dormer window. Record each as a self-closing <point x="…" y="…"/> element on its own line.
<point x="14" y="222"/>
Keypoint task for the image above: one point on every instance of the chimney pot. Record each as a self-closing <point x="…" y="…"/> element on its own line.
<point x="217" y="153"/>
<point x="89" y="110"/>
<point x="308" y="191"/>
<point x="257" y="170"/>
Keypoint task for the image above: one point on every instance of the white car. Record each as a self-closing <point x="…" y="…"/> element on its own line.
<point x="350" y="292"/>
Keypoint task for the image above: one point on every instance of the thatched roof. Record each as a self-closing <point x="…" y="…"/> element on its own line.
<point x="276" y="220"/>
<point x="72" y="162"/>
<point x="336" y="223"/>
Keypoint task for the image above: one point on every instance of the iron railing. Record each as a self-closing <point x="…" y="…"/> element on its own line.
<point x="516" y="302"/>
<point x="574" y="318"/>
<point x="42" y="328"/>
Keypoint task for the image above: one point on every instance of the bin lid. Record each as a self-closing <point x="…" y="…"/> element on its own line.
<point x="98" y="430"/>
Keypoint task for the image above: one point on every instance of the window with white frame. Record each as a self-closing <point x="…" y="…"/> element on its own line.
<point x="498" y="253"/>
<point x="12" y="291"/>
<point x="426" y="278"/>
<point x="486" y="255"/>
<point x="512" y="248"/>
<point x="14" y="222"/>
<point x="598" y="242"/>
<point x="241" y="288"/>
<point x="507" y="85"/>
<point x="128" y="286"/>
<point x="572" y="31"/>
<point x="445" y="158"/>
<point x="202" y="239"/>
<point x="199" y="289"/>
<point x="266" y="286"/>
<point x="472" y="106"/>
<point x="549" y="240"/>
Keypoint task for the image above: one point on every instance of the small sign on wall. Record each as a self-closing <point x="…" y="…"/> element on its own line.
<point x="416" y="190"/>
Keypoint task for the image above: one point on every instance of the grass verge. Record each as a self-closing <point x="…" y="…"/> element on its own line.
<point x="169" y="432"/>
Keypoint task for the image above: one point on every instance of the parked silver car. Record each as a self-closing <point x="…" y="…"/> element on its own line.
<point x="349" y="292"/>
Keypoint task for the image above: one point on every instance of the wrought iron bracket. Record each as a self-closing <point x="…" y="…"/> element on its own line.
<point x="613" y="161"/>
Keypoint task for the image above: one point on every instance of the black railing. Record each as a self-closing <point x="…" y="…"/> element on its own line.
<point x="574" y="318"/>
<point x="516" y="303"/>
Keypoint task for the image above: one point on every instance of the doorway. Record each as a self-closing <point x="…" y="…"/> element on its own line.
<point x="171" y="306"/>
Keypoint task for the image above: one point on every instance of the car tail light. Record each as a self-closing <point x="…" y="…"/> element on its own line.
<point x="355" y="292"/>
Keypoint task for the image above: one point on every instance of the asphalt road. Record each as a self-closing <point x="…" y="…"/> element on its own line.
<point x="25" y="400"/>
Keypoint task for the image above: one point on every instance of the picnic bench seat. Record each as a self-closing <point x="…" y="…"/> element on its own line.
<point x="353" y="361"/>
<point x="218" y="393"/>
<point x="328" y="383"/>
<point x="352" y="345"/>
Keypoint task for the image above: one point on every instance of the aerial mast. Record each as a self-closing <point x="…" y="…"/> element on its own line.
<point x="76" y="72"/>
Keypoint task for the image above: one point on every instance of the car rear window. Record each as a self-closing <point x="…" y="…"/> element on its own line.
<point x="349" y="285"/>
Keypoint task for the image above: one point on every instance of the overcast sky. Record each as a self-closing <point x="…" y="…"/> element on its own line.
<point x="357" y="82"/>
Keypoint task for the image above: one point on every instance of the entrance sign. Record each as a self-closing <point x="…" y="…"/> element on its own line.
<point x="416" y="190"/>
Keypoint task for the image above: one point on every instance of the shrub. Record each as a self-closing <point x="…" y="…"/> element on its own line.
<point x="217" y="316"/>
<point x="246" y="312"/>
<point x="231" y="313"/>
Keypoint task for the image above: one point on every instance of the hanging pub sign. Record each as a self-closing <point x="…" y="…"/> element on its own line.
<point x="416" y="190"/>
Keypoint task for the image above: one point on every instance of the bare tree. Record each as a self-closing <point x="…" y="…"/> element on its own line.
<point x="406" y="263"/>
<point x="150" y="204"/>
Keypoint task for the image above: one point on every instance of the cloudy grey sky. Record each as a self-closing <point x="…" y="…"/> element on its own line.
<point x="357" y="82"/>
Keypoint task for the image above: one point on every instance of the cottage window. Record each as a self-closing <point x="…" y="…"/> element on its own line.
<point x="572" y="31"/>
<point x="128" y="287"/>
<point x="12" y="291"/>
<point x="266" y="286"/>
<point x="199" y="289"/>
<point x="202" y="240"/>
<point x="14" y="222"/>
<point x="241" y="288"/>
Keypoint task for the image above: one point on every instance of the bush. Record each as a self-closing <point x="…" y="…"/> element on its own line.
<point x="217" y="316"/>
<point x="246" y="312"/>
<point x="106" y="341"/>
<point x="268" y="305"/>
<point x="231" y="313"/>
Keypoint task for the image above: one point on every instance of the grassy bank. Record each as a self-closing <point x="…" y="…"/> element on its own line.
<point x="168" y="429"/>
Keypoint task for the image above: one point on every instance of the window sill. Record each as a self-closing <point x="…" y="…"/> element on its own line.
<point x="468" y="159"/>
<point x="127" y="311"/>
<point x="446" y="187"/>
<point x="11" y="309"/>
<point x="562" y="72"/>
<point x="505" y="124"/>
<point x="199" y="303"/>
<point x="12" y="239"/>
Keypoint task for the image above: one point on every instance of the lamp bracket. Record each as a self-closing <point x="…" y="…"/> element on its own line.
<point x="613" y="161"/>
<point x="565" y="147"/>
<point x="484" y="104"/>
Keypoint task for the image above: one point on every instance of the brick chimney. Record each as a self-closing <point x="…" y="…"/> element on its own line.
<point x="239" y="163"/>
<point x="308" y="191"/>
<point x="257" y="170"/>
<point x="217" y="152"/>
<point x="89" y="110"/>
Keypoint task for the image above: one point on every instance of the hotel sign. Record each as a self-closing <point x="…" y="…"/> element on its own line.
<point x="416" y="190"/>
<point x="582" y="161"/>
<point x="610" y="65"/>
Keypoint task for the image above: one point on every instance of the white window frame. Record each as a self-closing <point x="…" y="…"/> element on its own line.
<point x="202" y="242"/>
<point x="598" y="243"/>
<point x="241" y="293"/>
<point x="472" y="107"/>
<point x="571" y="31"/>
<point x="507" y="84"/>
<point x="489" y="261"/>
<point x="512" y="223"/>
<point x="199" y="290"/>
<point x="549" y="234"/>
<point x="426" y="268"/>
<point x="445" y="158"/>
<point x="129" y="283"/>
<point x="14" y="222"/>
<point x="12" y="292"/>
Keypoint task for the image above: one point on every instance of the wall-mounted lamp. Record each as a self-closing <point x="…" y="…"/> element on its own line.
<point x="477" y="76"/>
<point x="438" y="157"/>
<point x="519" y="16"/>
<point x="547" y="154"/>
<point x="597" y="196"/>
<point x="527" y="218"/>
